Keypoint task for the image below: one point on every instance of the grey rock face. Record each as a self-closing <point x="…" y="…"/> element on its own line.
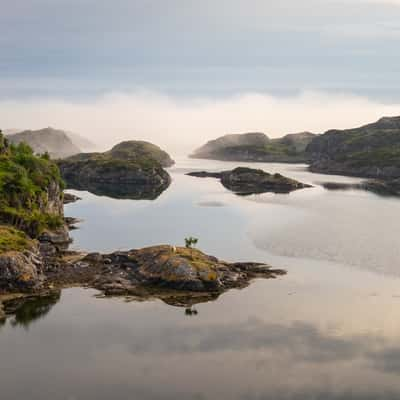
<point x="20" y="271"/>
<point x="54" y="241"/>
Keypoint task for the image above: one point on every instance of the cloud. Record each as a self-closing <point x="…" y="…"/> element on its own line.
<point x="181" y="124"/>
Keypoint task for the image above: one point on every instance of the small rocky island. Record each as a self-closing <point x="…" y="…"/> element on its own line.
<point x="246" y="181"/>
<point x="131" y="169"/>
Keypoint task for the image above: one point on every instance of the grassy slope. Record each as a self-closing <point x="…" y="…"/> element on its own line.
<point x="24" y="181"/>
<point x="12" y="239"/>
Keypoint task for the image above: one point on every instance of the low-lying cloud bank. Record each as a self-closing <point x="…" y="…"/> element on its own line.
<point x="180" y="125"/>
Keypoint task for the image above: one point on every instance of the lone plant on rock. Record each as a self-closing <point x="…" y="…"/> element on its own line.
<point x="190" y="242"/>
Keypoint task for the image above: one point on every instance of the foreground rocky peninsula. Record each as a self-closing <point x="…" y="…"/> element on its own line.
<point x="131" y="169"/>
<point x="246" y="181"/>
<point x="180" y="276"/>
<point x="131" y="272"/>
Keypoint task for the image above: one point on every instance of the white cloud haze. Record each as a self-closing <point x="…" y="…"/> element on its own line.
<point x="180" y="125"/>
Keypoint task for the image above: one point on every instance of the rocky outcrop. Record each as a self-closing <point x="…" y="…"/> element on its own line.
<point x="53" y="141"/>
<point x="371" y="151"/>
<point x="51" y="201"/>
<point x="21" y="271"/>
<point x="177" y="275"/>
<point x="70" y="198"/>
<point x="54" y="241"/>
<point x="257" y="147"/>
<point x="249" y="181"/>
<point x="129" y="170"/>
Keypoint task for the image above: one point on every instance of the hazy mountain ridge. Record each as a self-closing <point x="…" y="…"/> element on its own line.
<point x="53" y="141"/>
<point x="257" y="147"/>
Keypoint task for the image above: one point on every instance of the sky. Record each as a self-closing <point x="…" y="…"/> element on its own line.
<point x="187" y="57"/>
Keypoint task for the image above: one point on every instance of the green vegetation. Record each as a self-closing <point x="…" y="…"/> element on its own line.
<point x="191" y="242"/>
<point x="141" y="152"/>
<point x="12" y="239"/>
<point x="104" y="163"/>
<point x="24" y="188"/>
<point x="387" y="156"/>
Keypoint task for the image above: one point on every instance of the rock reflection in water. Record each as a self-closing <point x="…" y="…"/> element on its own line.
<point x="121" y="191"/>
<point x="26" y="310"/>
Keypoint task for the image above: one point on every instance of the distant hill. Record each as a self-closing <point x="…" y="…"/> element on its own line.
<point x="371" y="150"/>
<point x="83" y="143"/>
<point x="56" y="142"/>
<point x="257" y="147"/>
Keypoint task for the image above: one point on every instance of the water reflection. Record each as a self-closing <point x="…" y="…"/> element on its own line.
<point x="27" y="310"/>
<point x="125" y="191"/>
<point x="235" y="348"/>
<point x="383" y="189"/>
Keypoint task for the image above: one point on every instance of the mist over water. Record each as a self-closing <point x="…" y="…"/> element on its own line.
<point x="180" y="124"/>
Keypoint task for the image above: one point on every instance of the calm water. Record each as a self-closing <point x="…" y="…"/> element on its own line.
<point x="330" y="329"/>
